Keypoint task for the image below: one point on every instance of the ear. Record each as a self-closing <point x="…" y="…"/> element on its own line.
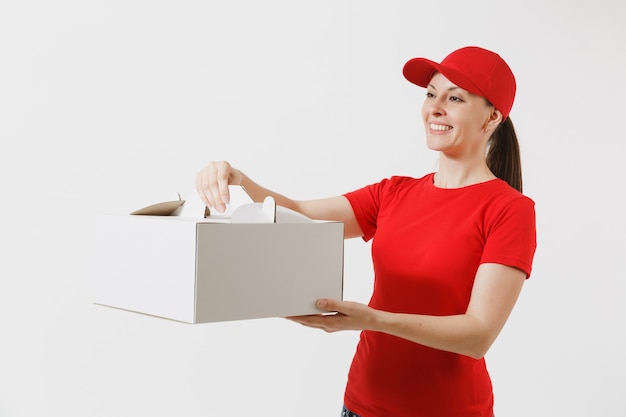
<point x="495" y="118"/>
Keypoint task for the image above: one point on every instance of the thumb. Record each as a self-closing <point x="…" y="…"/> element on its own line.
<point x="327" y="304"/>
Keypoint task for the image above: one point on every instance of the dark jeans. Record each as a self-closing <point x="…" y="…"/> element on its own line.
<point x="347" y="413"/>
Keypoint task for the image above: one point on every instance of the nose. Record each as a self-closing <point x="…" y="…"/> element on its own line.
<point x="434" y="106"/>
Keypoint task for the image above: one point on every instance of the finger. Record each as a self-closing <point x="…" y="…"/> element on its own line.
<point x="326" y="322"/>
<point x="310" y="321"/>
<point x="200" y="188"/>
<point x="222" y="174"/>
<point x="212" y="189"/>
<point x="212" y="185"/>
<point x="329" y="304"/>
<point x="204" y="179"/>
<point x="301" y="319"/>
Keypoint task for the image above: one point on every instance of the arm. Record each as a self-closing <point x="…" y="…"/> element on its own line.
<point x="212" y="186"/>
<point x="495" y="292"/>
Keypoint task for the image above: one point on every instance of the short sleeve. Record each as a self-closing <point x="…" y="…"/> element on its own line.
<point x="511" y="237"/>
<point x="365" y="203"/>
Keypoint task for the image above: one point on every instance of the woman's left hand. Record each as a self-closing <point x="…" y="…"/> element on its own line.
<point x="345" y="315"/>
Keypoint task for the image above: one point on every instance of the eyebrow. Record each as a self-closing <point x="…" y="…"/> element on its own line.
<point x="449" y="89"/>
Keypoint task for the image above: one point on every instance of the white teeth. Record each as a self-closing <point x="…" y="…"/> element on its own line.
<point x="440" y="127"/>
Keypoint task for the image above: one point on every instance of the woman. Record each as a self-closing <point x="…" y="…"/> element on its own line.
<point x="450" y="250"/>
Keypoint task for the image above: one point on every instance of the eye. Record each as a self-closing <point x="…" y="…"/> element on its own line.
<point x="429" y="94"/>
<point x="456" y="98"/>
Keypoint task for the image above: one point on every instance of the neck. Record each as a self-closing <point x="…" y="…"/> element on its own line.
<point x="456" y="174"/>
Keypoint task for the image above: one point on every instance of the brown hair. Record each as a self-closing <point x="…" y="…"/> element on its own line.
<point x="503" y="156"/>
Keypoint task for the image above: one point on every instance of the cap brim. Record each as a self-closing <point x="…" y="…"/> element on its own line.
<point x="419" y="71"/>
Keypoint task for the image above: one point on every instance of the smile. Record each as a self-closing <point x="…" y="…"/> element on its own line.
<point x="440" y="127"/>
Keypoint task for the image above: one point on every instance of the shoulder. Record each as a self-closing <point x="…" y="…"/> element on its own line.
<point x="505" y="204"/>
<point x="399" y="182"/>
<point x="396" y="184"/>
<point x="503" y="194"/>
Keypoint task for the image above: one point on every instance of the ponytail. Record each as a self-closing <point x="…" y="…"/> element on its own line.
<point x="503" y="156"/>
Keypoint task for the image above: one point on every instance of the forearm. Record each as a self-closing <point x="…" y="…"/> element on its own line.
<point x="463" y="334"/>
<point x="495" y="291"/>
<point x="333" y="208"/>
<point x="212" y="186"/>
<point x="258" y="193"/>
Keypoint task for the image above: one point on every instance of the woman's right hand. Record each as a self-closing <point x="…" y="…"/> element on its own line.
<point x="212" y="183"/>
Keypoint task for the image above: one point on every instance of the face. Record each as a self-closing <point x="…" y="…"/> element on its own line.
<point x="457" y="122"/>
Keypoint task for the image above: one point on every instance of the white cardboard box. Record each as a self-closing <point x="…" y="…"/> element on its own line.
<point x="197" y="271"/>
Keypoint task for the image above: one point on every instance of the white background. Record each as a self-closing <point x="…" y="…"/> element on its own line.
<point x="107" y="106"/>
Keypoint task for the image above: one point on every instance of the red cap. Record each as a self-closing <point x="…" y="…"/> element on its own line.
<point x="474" y="69"/>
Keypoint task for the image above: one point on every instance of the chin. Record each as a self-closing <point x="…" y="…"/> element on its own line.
<point x="435" y="145"/>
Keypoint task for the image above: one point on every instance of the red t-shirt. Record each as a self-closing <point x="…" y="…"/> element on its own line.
<point x="428" y="244"/>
